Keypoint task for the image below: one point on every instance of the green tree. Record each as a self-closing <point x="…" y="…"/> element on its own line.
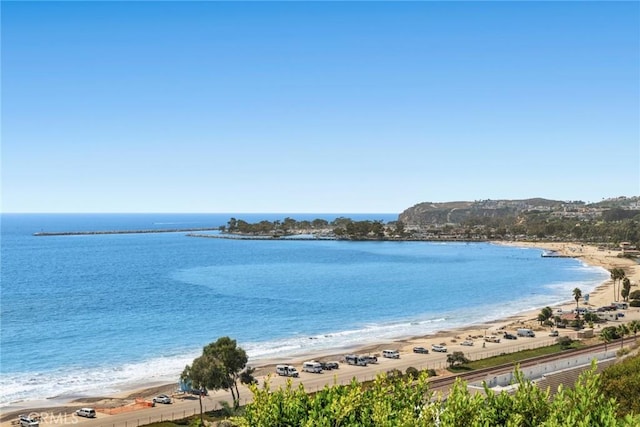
<point x="622" y="330"/>
<point x="195" y="383"/>
<point x="456" y="358"/>
<point x="577" y="294"/>
<point x="219" y="367"/>
<point x="545" y="314"/>
<point x="606" y="335"/>
<point x="613" y="273"/>
<point x="626" y="288"/>
<point x="591" y="317"/>
<point x="621" y="277"/>
<point x="634" y="326"/>
<point x="616" y="274"/>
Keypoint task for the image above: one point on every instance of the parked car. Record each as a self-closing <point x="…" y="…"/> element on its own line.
<point x="287" y="371"/>
<point x="163" y="398"/>
<point x="199" y="392"/>
<point x="86" y="412"/>
<point x="420" y="350"/>
<point x="439" y="348"/>
<point x="391" y="354"/>
<point x="553" y="334"/>
<point x="327" y="366"/>
<point x="26" y="421"/>
<point x="467" y="343"/>
<point x="371" y="359"/>
<point x="510" y="337"/>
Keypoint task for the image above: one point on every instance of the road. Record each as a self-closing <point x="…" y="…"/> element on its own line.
<point x="189" y="405"/>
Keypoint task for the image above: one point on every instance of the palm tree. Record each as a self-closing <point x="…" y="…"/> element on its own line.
<point x="626" y="288"/>
<point x="614" y="277"/>
<point x="621" y="277"/>
<point x="606" y="335"/>
<point x="634" y="327"/>
<point x="577" y="294"/>
<point x="622" y="330"/>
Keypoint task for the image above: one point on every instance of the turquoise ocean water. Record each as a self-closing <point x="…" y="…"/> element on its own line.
<point x="98" y="313"/>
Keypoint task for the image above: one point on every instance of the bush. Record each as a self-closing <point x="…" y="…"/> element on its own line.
<point x="622" y="382"/>
<point x="394" y="373"/>
<point x="432" y="372"/>
<point x="577" y="323"/>
<point x="635" y="303"/>
<point x="565" y="342"/>
<point x="635" y="294"/>
<point x="412" y="372"/>
<point x="612" y="331"/>
<point x="622" y="352"/>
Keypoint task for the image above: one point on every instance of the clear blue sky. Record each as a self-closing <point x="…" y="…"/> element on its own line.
<point x="316" y="107"/>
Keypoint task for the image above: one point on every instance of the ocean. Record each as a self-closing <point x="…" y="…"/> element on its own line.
<point x="94" y="314"/>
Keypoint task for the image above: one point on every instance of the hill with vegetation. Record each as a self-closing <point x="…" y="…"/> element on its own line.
<point x="607" y="223"/>
<point x="610" y="221"/>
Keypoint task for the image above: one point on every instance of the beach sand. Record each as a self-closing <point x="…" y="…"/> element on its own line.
<point x="601" y="296"/>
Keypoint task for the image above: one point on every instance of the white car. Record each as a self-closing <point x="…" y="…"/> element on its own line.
<point x="439" y="348"/>
<point x="27" y="421"/>
<point x="467" y="343"/>
<point x="86" y="412"/>
<point x="163" y="398"/>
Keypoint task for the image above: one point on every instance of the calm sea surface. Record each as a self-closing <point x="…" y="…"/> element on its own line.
<point x="102" y="312"/>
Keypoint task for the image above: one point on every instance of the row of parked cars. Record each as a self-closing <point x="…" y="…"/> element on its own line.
<point x="310" y="366"/>
<point x="34" y="421"/>
<point x="438" y="348"/>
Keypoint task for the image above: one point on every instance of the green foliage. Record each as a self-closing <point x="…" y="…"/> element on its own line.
<point x="565" y="342"/>
<point x="577" y="323"/>
<point x="591" y="317"/>
<point x="635" y="294"/>
<point x="412" y="372"/>
<point x="626" y="288"/>
<point x="577" y="294"/>
<point x="456" y="358"/>
<point x="634" y="327"/>
<point x="545" y="314"/>
<point x="246" y="376"/>
<point x="219" y="367"/>
<point x="634" y="303"/>
<point x="611" y="332"/>
<point x="622" y="383"/>
<point x="406" y="402"/>
<point x="349" y="405"/>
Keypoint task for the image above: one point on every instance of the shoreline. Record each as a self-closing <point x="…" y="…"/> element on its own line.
<point x="600" y="295"/>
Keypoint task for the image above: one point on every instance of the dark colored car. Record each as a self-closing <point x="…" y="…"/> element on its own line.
<point x="327" y="366"/>
<point x="420" y="350"/>
<point x="510" y="337"/>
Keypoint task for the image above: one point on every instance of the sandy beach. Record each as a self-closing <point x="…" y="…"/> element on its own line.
<point x="601" y="296"/>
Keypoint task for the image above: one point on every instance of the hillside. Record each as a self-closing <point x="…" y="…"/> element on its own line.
<point x="459" y="212"/>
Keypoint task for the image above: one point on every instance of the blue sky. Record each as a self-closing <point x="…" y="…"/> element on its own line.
<point x="316" y="107"/>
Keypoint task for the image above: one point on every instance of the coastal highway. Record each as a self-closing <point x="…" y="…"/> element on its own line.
<point x="189" y="405"/>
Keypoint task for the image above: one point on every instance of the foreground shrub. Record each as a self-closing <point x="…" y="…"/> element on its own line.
<point x="622" y="382"/>
<point x="402" y="401"/>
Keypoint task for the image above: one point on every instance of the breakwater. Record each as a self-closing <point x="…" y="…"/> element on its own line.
<point x="258" y="237"/>
<point x="89" y="233"/>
